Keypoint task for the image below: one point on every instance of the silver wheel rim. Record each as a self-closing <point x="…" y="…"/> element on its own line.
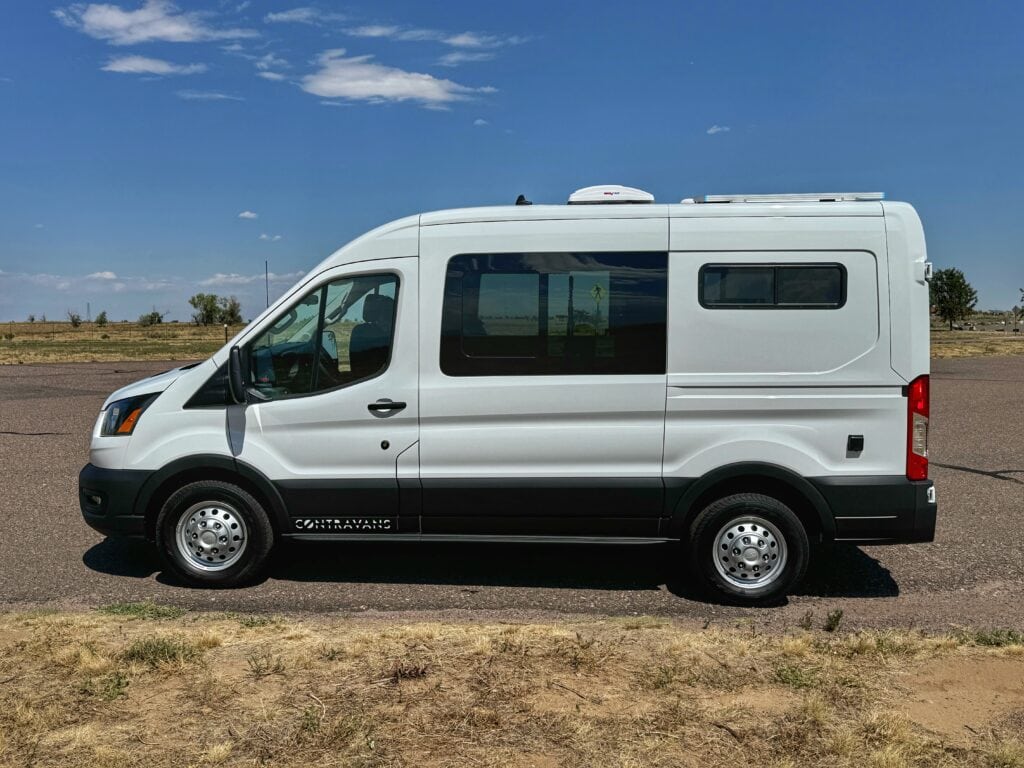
<point x="750" y="552"/>
<point x="211" y="535"/>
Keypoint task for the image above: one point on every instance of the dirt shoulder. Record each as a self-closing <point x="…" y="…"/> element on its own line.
<point x="144" y="685"/>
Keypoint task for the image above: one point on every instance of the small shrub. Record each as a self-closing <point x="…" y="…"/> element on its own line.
<point x="264" y="664"/>
<point x="806" y="621"/>
<point x="8" y="336"/>
<point x="833" y="620"/>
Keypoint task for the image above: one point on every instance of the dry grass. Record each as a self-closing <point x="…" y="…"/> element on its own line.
<point x="102" y="689"/>
<point x="52" y="342"/>
<point x="946" y="344"/>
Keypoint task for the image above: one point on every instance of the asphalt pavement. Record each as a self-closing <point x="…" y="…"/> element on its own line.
<point x="973" y="574"/>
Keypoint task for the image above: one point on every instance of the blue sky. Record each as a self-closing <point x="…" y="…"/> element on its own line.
<point x="133" y="134"/>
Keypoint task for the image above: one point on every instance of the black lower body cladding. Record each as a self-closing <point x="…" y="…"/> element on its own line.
<point x="885" y="509"/>
<point x="107" y="498"/>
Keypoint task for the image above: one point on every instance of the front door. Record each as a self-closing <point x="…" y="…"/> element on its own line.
<point x="339" y="371"/>
<point x="543" y="406"/>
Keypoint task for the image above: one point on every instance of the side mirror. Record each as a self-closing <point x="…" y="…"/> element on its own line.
<point x="236" y="378"/>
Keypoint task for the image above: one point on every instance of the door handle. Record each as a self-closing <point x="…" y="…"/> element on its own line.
<point x="385" y="405"/>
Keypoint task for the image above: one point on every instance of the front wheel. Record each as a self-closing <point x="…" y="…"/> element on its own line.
<point x="748" y="548"/>
<point x="214" y="534"/>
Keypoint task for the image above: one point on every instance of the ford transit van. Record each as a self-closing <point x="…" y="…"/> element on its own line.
<point x="744" y="375"/>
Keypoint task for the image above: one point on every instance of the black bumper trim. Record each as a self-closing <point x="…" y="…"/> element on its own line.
<point x="107" y="499"/>
<point x="883" y="509"/>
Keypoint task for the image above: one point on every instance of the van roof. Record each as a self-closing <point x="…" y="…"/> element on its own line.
<point x="652" y="211"/>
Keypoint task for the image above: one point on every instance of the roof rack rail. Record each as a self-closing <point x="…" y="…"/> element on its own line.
<point x="803" y="197"/>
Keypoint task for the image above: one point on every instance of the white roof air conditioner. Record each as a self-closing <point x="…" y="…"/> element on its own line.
<point x="603" y="194"/>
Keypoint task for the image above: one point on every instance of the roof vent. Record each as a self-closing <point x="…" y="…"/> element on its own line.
<point x="603" y="194"/>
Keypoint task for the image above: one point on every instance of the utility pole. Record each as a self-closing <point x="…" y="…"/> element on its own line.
<point x="266" y="278"/>
<point x="88" y="312"/>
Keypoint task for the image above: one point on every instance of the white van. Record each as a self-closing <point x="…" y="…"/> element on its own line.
<point x="747" y="375"/>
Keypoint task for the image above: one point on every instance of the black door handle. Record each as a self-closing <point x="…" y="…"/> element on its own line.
<point x="386" y="405"/>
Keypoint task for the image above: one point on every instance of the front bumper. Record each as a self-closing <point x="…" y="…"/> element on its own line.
<point x="107" y="499"/>
<point x="880" y="510"/>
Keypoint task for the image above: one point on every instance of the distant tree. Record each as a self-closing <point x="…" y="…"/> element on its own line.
<point x="101" y="318"/>
<point x="229" y="310"/>
<point x="151" y="318"/>
<point x="31" y="318"/>
<point x="74" y="318"/>
<point x="206" y="309"/>
<point x="952" y="296"/>
<point x="42" y="318"/>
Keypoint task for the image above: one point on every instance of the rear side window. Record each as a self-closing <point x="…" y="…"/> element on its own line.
<point x="512" y="314"/>
<point x="772" y="286"/>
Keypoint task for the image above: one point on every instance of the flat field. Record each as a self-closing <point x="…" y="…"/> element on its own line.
<point x="51" y="342"/>
<point x="148" y="685"/>
<point x="58" y="342"/>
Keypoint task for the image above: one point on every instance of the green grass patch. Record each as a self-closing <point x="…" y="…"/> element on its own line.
<point x="160" y="651"/>
<point x="796" y="677"/>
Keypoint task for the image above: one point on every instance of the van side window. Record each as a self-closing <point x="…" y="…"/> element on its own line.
<point x="772" y="286"/>
<point x="338" y="334"/>
<point x="535" y="314"/>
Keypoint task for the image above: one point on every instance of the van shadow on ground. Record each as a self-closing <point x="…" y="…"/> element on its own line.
<point x="839" y="571"/>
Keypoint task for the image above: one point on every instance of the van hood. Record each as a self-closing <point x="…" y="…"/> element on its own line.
<point x="148" y="386"/>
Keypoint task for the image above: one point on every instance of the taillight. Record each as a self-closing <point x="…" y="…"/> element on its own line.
<point x="917" y="429"/>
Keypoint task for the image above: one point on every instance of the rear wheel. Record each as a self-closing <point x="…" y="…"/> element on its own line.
<point x="748" y="548"/>
<point x="215" y="534"/>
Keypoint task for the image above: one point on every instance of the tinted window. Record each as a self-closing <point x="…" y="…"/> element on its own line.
<point x="338" y="334"/>
<point x="808" y="286"/>
<point x="537" y="314"/>
<point x="762" y="286"/>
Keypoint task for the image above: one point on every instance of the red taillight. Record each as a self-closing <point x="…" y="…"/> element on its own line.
<point x="917" y="429"/>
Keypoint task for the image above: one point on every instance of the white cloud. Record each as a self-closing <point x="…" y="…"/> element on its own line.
<point x="302" y="15"/>
<point x="156" y="20"/>
<point x="6" y="80"/>
<point x="480" y="121"/>
<point x="105" y="275"/>
<point x="455" y="58"/>
<point x="273" y="76"/>
<point x="335" y="104"/>
<point x="270" y="238"/>
<point x="233" y="48"/>
<point x="242" y="6"/>
<point x="248" y="215"/>
<point x="270" y="61"/>
<point x="222" y="279"/>
<point x="37" y="226"/>
<point x="718" y="129"/>
<point x="358" y="78"/>
<point x="454" y="39"/>
<point x="142" y="65"/>
<point x="207" y="96"/>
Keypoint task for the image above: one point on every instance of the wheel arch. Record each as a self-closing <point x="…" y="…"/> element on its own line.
<point x="162" y="483"/>
<point x="755" y="477"/>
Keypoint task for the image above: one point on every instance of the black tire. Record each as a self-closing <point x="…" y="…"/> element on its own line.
<point x="259" y="534"/>
<point x="705" y="542"/>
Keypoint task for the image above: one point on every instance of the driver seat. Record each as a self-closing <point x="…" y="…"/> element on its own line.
<point x="370" y="344"/>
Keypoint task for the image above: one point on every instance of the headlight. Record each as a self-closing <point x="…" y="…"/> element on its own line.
<point x="122" y="415"/>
